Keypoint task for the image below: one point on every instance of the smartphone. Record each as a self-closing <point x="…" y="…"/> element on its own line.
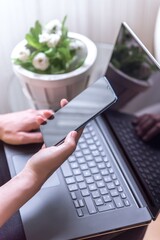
<point x="78" y="112"/>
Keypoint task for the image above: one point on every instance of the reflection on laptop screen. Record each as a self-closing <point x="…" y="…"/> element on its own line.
<point x="131" y="66"/>
<point x="131" y="70"/>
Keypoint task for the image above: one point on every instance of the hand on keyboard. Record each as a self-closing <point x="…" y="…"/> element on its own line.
<point x="147" y="126"/>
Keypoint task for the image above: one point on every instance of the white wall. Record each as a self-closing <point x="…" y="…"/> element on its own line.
<point x="97" y="19"/>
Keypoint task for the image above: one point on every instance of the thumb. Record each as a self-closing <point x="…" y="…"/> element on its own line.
<point x="70" y="142"/>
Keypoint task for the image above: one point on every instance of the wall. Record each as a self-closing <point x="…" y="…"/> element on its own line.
<point x="97" y="19"/>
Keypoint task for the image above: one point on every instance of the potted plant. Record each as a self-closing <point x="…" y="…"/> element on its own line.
<point x="52" y="63"/>
<point x="130" y="69"/>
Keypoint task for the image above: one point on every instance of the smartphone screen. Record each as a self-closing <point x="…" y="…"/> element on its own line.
<point x="79" y="111"/>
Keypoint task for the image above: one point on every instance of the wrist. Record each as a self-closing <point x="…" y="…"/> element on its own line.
<point x="30" y="178"/>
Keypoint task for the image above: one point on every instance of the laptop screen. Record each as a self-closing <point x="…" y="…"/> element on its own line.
<point x="131" y="68"/>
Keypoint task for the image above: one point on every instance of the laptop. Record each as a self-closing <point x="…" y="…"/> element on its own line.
<point x="109" y="184"/>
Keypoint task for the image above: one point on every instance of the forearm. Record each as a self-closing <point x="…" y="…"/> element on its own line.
<point x="17" y="192"/>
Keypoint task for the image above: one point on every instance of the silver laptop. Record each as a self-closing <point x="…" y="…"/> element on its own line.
<point x="98" y="190"/>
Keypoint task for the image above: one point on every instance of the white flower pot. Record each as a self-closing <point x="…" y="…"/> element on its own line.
<point x="46" y="90"/>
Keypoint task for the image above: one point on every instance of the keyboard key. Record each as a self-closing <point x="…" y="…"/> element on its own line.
<point x="78" y="154"/>
<point x="79" y="212"/>
<point x="92" y="187"/>
<point x="107" y="198"/>
<point x="73" y="195"/>
<point x="94" y="170"/>
<point x="114" y="193"/>
<point x="70" y="180"/>
<point x="126" y="202"/>
<point x="95" y="153"/>
<point x="120" y="189"/>
<point x="90" y="141"/>
<point x="92" y="147"/>
<point x="106" y="207"/>
<point x="91" y="164"/>
<point x="76" y="203"/>
<point x="89" y="180"/>
<point x="110" y="185"/>
<point x="107" y="179"/>
<point x="85" y="192"/>
<point x="72" y="158"/>
<point x="104" y="172"/>
<point x="100" y="184"/>
<point x="81" y="160"/>
<point x="95" y="194"/>
<point x="83" y="145"/>
<point x="72" y="187"/>
<point x="81" y="203"/>
<point x="74" y="165"/>
<point x="101" y="165"/>
<point x="66" y="170"/>
<point x="98" y="201"/>
<point x="98" y="159"/>
<point x="79" y="178"/>
<point x="97" y="177"/>
<point x="118" y="202"/>
<point x="84" y="166"/>
<point x="76" y="171"/>
<point x="86" y="151"/>
<point x="82" y="185"/>
<point x="86" y="173"/>
<point x="123" y="195"/>
<point x="103" y="191"/>
<point x="89" y="157"/>
<point x="90" y="205"/>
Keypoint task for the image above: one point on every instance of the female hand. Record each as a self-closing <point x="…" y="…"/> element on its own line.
<point x="19" y="127"/>
<point x="147" y="126"/>
<point x="42" y="164"/>
<point x="27" y="183"/>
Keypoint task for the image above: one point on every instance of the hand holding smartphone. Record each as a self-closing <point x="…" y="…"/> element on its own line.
<point x="79" y="111"/>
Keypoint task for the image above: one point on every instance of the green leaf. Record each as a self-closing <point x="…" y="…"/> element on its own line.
<point x="33" y="36"/>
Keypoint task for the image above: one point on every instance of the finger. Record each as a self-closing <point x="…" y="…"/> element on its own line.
<point x="45" y="113"/>
<point x="63" y="102"/>
<point x="41" y="120"/>
<point x="154" y="131"/>
<point x="70" y="143"/>
<point x="147" y="125"/>
<point x="63" y="151"/>
<point x="135" y="121"/>
<point x="142" y="120"/>
<point x="79" y="133"/>
<point x="31" y="137"/>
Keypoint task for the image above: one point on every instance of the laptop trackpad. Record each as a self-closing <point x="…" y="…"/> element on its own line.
<point x="20" y="161"/>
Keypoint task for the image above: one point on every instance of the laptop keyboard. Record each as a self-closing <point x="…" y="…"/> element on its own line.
<point x="89" y="174"/>
<point x="144" y="157"/>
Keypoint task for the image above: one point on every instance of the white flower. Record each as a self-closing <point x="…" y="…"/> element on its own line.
<point x="44" y="37"/>
<point x="54" y="40"/>
<point x="53" y="26"/>
<point x="40" y="61"/>
<point x="76" y="44"/>
<point x="24" y="54"/>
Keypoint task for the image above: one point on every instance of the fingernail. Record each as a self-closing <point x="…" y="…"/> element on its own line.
<point x="73" y="134"/>
<point x="51" y="117"/>
<point x="44" y="123"/>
